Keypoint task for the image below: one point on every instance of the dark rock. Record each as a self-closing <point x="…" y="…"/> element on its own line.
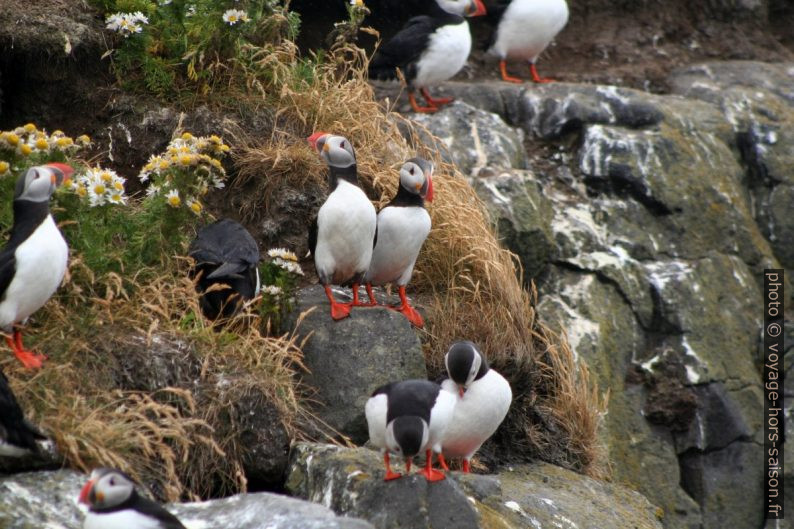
<point x="350" y="481"/>
<point x="49" y="499"/>
<point x="259" y="428"/>
<point x="473" y="138"/>
<point x="718" y="422"/>
<point x="522" y="214"/>
<point x="348" y="359"/>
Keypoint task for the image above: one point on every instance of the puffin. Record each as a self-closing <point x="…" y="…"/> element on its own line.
<point x="17" y="436"/>
<point x="342" y="235"/>
<point x="525" y="29"/>
<point x="482" y="396"/>
<point x="33" y="262"/>
<point x="225" y="254"/>
<point x="403" y="226"/>
<point x="407" y="418"/>
<point x="429" y="49"/>
<point x="113" y="503"/>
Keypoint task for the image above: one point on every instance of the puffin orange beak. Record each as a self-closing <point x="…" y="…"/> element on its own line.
<point x="86" y="490"/>
<point x="314" y="137"/>
<point x="480" y="9"/>
<point x="407" y="464"/>
<point x="429" y="194"/>
<point x="65" y="170"/>
<point x="461" y="390"/>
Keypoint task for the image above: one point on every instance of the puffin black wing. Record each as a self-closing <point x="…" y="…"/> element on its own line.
<point x="14" y="429"/>
<point x="412" y="397"/>
<point x="154" y="510"/>
<point x="313" y="235"/>
<point x="404" y="49"/>
<point x="8" y="266"/>
<point x="228" y="245"/>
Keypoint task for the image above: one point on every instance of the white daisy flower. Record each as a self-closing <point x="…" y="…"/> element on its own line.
<point x="172" y="198"/>
<point x="233" y="16"/>
<point x="289" y="266"/>
<point x="282" y="253"/>
<point x="271" y="290"/>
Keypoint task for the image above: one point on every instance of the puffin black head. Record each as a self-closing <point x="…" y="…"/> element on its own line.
<point x="416" y="176"/>
<point x="39" y="183"/>
<point x="406" y="436"/>
<point x="466" y="8"/>
<point x="337" y="151"/>
<point x="465" y="364"/>
<point x="107" y="488"/>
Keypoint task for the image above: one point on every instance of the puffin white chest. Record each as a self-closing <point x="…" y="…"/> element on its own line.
<point x="40" y="265"/>
<point x="446" y="53"/>
<point x="527" y="27"/>
<point x="345" y="230"/>
<point x="126" y="519"/>
<point x="477" y="415"/>
<point x="401" y="233"/>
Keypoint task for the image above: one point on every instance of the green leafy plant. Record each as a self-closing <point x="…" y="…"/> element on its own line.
<point x="279" y="277"/>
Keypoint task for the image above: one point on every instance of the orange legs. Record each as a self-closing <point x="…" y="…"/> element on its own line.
<point x="429" y="472"/>
<point x="339" y="311"/>
<point x="532" y="70"/>
<point x="535" y="77"/>
<point x="433" y="101"/>
<point x="505" y="75"/>
<point x="408" y="311"/>
<point x="390" y="474"/>
<point x="29" y="359"/>
<point x="424" y="110"/>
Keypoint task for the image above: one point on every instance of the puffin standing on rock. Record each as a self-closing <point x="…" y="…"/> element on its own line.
<point x="525" y="29"/>
<point x="403" y="226"/>
<point x="483" y="398"/>
<point x="33" y="262"/>
<point x="430" y="49"/>
<point x="407" y="418"/>
<point x="225" y="254"/>
<point x="342" y="235"/>
<point x="17" y="436"/>
<point x="114" y="503"/>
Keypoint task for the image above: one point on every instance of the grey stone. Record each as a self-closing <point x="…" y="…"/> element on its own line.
<point x="522" y="216"/>
<point x="348" y="359"/>
<point x="350" y="481"/>
<point x="49" y="499"/>
<point x="473" y="138"/>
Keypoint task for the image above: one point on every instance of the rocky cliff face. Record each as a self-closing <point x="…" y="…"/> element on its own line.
<point x="646" y="222"/>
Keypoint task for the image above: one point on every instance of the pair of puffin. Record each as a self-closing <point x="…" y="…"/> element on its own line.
<point x="453" y="419"/>
<point x="33" y="262"/>
<point x="431" y="49"/>
<point x="351" y="243"/>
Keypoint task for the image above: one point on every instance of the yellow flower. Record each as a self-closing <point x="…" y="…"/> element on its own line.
<point x="65" y="141"/>
<point x="164" y="164"/>
<point x="12" y="139"/>
<point x="118" y="185"/>
<point x="215" y="139"/>
<point x="225" y="148"/>
<point x="195" y="206"/>
<point x="42" y="144"/>
<point x="58" y="133"/>
<point x="173" y="198"/>
<point x="148" y="167"/>
<point x="83" y="139"/>
<point x="186" y="159"/>
<point x="30" y="127"/>
<point x="81" y="191"/>
<point x="25" y="149"/>
<point x="187" y="136"/>
<point x="184" y="149"/>
<point x="99" y="189"/>
<point x="4" y="167"/>
<point x="106" y="176"/>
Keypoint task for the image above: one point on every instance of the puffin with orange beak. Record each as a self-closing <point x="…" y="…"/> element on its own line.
<point x="114" y="503"/>
<point x="483" y="398"/>
<point x="429" y="50"/>
<point x="403" y="226"/>
<point x="342" y="235"/>
<point x="33" y="262"/>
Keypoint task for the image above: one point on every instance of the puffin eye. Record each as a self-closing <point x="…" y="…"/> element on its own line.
<point x="343" y="145"/>
<point x="112" y="482"/>
<point x="411" y="170"/>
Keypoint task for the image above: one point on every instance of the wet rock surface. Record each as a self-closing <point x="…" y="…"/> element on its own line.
<point x="49" y="499"/>
<point x="350" y="481"/>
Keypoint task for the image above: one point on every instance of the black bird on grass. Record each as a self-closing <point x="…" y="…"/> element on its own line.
<point x="17" y="436"/>
<point x="226" y="255"/>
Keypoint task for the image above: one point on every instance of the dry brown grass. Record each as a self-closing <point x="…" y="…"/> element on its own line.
<point x="171" y="439"/>
<point x="470" y="284"/>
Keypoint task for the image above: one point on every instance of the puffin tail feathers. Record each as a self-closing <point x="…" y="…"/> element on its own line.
<point x="227" y="270"/>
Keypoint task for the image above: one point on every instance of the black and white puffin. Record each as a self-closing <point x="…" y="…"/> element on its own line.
<point x="33" y="262"/>
<point x="403" y="225"/>
<point x="342" y="235"/>
<point x="525" y="29"/>
<point x="225" y="254"/>
<point x="113" y="503"/>
<point x="17" y="436"/>
<point x="483" y="398"/>
<point x="429" y="49"/>
<point x="407" y="418"/>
